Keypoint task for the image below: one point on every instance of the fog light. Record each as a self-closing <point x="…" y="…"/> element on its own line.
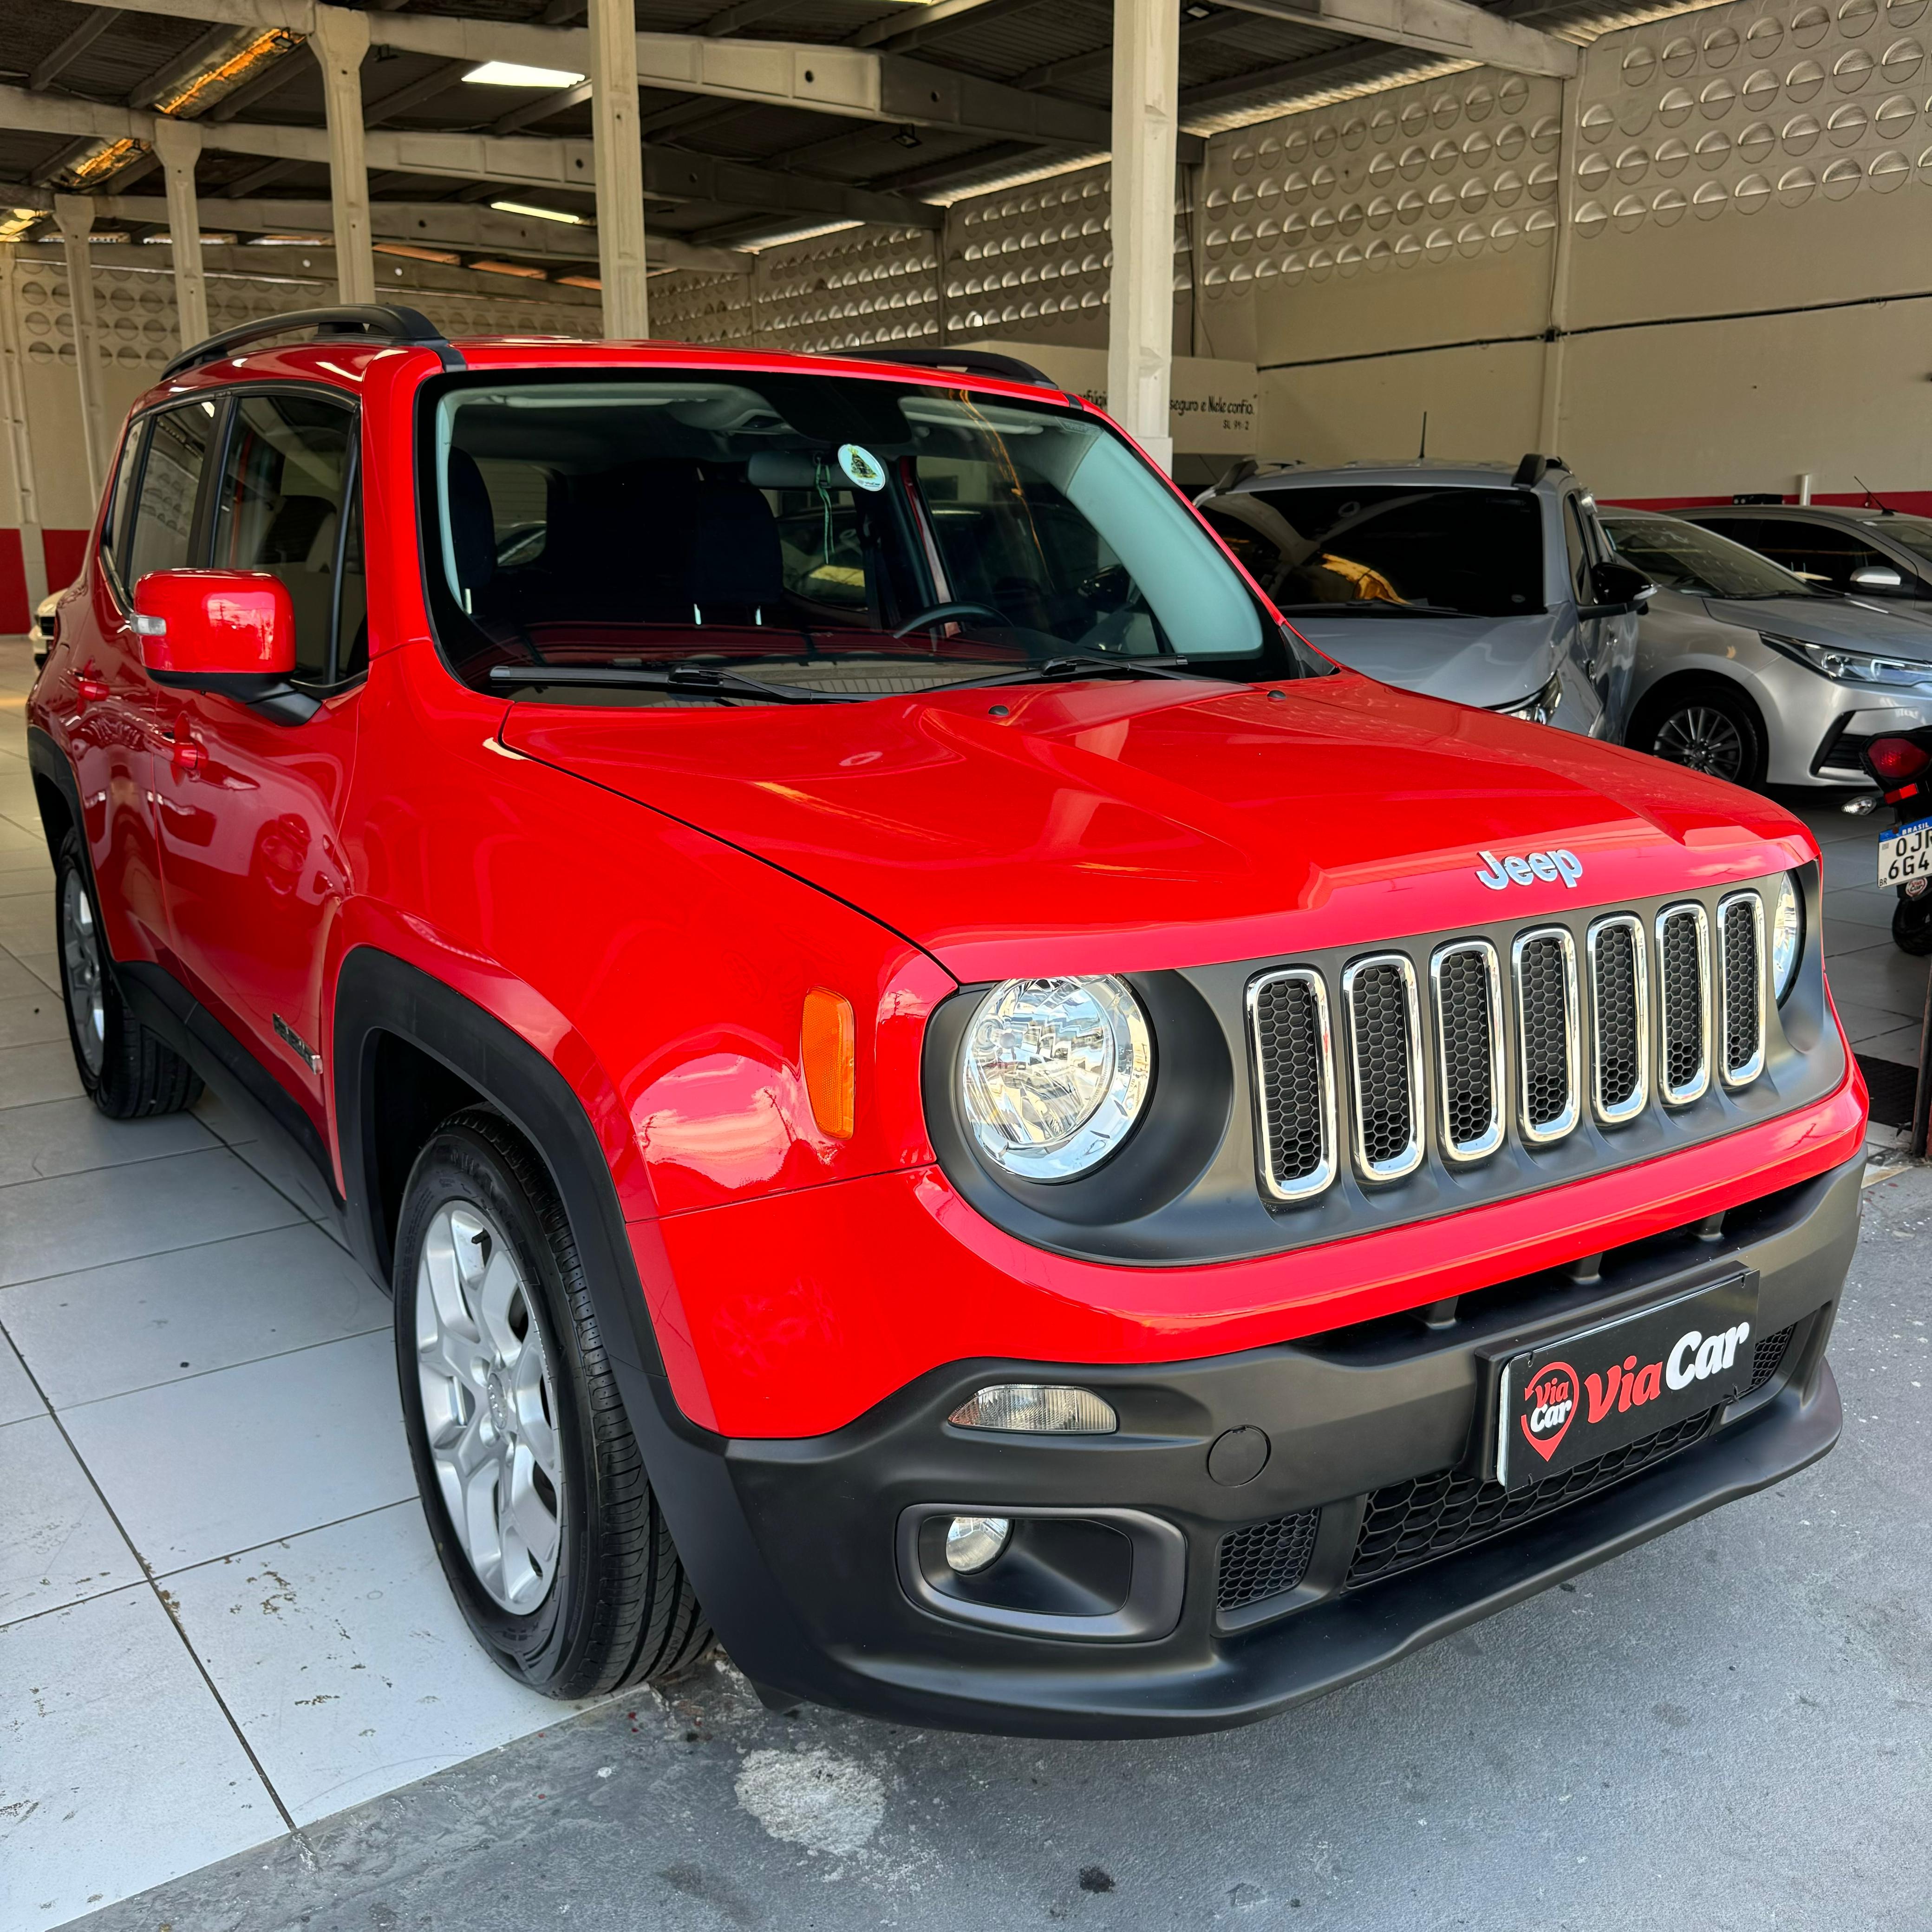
<point x="972" y="1542"/>
<point x="1037" y="1408"/>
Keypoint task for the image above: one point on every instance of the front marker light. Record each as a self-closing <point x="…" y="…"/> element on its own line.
<point x="972" y="1542"/>
<point x="1054" y="1073"/>
<point x="1787" y="936"/>
<point x="1037" y="1408"/>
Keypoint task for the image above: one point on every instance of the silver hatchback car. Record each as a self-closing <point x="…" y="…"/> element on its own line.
<point x="1745" y="671"/>
<point x="1461" y="581"/>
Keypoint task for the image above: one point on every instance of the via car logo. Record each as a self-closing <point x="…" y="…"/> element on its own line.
<point x="1524" y="871"/>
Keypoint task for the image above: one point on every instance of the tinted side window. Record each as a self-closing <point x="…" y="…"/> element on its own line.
<point x="163" y="536"/>
<point x="1817" y="552"/>
<point x="1578" y="547"/>
<point x="121" y="506"/>
<point x="289" y="465"/>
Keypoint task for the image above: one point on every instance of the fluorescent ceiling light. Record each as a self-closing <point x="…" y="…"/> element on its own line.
<point x="511" y="73"/>
<point x="542" y="214"/>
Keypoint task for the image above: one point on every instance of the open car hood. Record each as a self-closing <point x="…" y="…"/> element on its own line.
<point x="1116" y="825"/>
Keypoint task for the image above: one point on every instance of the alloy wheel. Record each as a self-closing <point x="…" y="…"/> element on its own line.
<point x="489" y="1405"/>
<point x="1704" y="739"/>
<point x="86" y="988"/>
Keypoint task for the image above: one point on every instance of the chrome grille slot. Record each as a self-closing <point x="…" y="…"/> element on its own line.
<point x="1543" y="965"/>
<point x="1288" y="1022"/>
<point x="1741" y="986"/>
<point x="1385" y="1066"/>
<point x="1619" y="1018"/>
<point x="1466" y="988"/>
<point x="1683" y="974"/>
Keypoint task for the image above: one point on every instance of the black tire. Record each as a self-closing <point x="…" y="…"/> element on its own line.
<point x="130" y="1073"/>
<point x="1912" y="925"/>
<point x="615" y="1606"/>
<point x="1706" y="725"/>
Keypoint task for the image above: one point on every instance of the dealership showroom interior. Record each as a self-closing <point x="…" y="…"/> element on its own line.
<point x="1246" y="1250"/>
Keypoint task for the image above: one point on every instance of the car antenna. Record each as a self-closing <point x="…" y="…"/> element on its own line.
<point x="1885" y="509"/>
<point x="1422" y="454"/>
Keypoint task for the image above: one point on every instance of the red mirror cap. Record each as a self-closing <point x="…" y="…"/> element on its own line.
<point x="1892" y="760"/>
<point x="215" y="623"/>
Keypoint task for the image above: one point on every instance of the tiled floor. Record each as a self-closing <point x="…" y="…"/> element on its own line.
<point x="220" y="1616"/>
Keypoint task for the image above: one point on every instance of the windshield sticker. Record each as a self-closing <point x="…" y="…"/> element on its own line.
<point x="862" y="466"/>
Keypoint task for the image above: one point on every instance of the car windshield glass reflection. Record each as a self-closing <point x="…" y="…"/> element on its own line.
<point x="834" y="536"/>
<point x="1389" y="550"/>
<point x="1912" y="533"/>
<point x="1681" y="557"/>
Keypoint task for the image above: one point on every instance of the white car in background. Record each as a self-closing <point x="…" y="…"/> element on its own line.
<point x="41" y="636"/>
<point x="1748" y="673"/>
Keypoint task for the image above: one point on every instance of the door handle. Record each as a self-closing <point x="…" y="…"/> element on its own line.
<point x="188" y="756"/>
<point x="91" y="687"/>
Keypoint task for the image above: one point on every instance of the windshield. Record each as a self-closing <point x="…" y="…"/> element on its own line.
<point x="1682" y="556"/>
<point x="855" y="537"/>
<point x="1449" y="552"/>
<point x="1912" y="533"/>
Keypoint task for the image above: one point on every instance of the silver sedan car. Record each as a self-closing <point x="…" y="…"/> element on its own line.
<point x="1747" y="672"/>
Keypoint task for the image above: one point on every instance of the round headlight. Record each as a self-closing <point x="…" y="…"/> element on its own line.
<point x="1787" y="936"/>
<point x="1054" y="1073"/>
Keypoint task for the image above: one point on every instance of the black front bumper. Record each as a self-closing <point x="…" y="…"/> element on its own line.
<point x="805" y="1552"/>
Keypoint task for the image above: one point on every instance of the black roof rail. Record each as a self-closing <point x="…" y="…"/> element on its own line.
<point x="373" y="321"/>
<point x="1531" y="469"/>
<point x="968" y="361"/>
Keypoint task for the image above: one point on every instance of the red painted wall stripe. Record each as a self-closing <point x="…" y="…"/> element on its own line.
<point x="14" y="615"/>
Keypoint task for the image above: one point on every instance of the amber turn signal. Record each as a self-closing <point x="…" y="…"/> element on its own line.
<point x="831" y="1061"/>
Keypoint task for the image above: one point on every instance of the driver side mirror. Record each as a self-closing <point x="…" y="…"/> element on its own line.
<point x="231" y="632"/>
<point x="1877" y="577"/>
<point x="1619" y="588"/>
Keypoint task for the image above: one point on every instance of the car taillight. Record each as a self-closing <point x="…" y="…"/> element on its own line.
<point x="1892" y="760"/>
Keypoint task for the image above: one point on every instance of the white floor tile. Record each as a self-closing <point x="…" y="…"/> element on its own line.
<point x="45" y="967"/>
<point x="117" y="1768"/>
<point x="1863" y="1023"/>
<point x="15" y="838"/>
<point x="23" y="881"/>
<point x="290" y="1172"/>
<point x="74" y="1137"/>
<point x="17" y="1399"/>
<point x="31" y="1073"/>
<point x="28" y="859"/>
<point x="86" y="1220"/>
<point x="222" y="1120"/>
<point x="17" y="981"/>
<point x="106" y="1331"/>
<point x="57" y="1544"/>
<point x="27" y="926"/>
<point x="1883" y="977"/>
<point x="266" y="1449"/>
<point x="1901" y="1045"/>
<point x="347" y="1663"/>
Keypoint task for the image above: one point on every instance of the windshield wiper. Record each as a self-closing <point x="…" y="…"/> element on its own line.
<point x="1073" y="664"/>
<point x="700" y="680"/>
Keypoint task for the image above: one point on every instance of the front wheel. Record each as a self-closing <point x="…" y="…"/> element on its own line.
<point x="535" y="1493"/>
<point x="1711" y="727"/>
<point x="1911" y="925"/>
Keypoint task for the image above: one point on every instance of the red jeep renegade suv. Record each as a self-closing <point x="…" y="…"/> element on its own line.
<point x="937" y="1093"/>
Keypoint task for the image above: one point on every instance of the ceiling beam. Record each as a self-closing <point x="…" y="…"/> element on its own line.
<point x="71" y="48"/>
<point x="1451" y="27"/>
<point x="852" y="81"/>
<point x="897" y="35"/>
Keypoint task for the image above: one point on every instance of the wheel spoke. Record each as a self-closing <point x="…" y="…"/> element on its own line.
<point x="536" y="1524"/>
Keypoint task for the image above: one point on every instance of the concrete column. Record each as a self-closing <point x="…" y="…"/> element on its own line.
<point x="75" y="215"/>
<point x="619" y="141"/>
<point x="339" y="41"/>
<point x="1549" y="413"/>
<point x="178" y="143"/>
<point x="1140" y="329"/>
<point x="26" y="504"/>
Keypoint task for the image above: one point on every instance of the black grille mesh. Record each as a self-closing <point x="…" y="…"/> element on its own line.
<point x="1545" y="1022"/>
<point x="1683" y="1001"/>
<point x="1287" y="1036"/>
<point x="1408" y="1524"/>
<point x="1740" y="985"/>
<point x="1466" y="1046"/>
<point x="1379" y="1022"/>
<point x="1265" y="1559"/>
<point x="1618" y="1066"/>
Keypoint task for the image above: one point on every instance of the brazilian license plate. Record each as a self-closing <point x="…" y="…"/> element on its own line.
<point x="1583" y="1395"/>
<point x="1906" y="853"/>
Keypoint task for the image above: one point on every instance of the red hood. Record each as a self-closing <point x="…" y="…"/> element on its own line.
<point x="1123" y="826"/>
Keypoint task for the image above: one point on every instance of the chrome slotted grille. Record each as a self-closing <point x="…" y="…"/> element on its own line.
<point x="1619" y="1018"/>
<point x="1288" y="1020"/>
<point x="1683" y="969"/>
<point x="1466" y="990"/>
<point x="1385" y="1045"/>
<point x="1740" y="977"/>
<point x="1543" y="964"/>
<point x="1630" y="1011"/>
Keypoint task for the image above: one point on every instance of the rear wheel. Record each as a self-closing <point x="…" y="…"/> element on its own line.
<point x="531" y="1479"/>
<point x="1709" y="727"/>
<point x="129" y="1072"/>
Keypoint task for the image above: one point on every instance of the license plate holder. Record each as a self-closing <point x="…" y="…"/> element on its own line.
<point x="1623" y="1379"/>
<point x="1906" y="853"/>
